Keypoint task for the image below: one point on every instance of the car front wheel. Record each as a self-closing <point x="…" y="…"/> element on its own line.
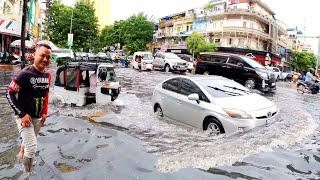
<point x="250" y="84"/>
<point x="167" y="68"/>
<point x="214" y="127"/>
<point x="158" y="111"/>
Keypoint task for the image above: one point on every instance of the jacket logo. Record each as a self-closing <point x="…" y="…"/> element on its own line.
<point x="39" y="80"/>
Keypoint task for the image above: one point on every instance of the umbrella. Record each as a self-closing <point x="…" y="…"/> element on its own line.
<point x="53" y="46"/>
<point x="17" y="43"/>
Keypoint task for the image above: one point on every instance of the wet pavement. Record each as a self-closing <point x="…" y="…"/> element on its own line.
<point x="131" y="143"/>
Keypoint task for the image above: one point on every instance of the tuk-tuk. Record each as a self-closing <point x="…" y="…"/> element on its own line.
<point x="81" y="83"/>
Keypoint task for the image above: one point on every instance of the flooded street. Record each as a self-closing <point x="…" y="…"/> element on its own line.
<point x="111" y="142"/>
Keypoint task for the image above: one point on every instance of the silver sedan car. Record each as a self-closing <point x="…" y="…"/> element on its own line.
<point x="212" y="103"/>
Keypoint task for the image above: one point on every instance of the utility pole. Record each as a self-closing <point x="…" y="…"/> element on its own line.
<point x="23" y="33"/>
<point x="70" y="35"/>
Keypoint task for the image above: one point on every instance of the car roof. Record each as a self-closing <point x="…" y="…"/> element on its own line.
<point x="204" y="78"/>
<point x="219" y="53"/>
<point x="142" y="52"/>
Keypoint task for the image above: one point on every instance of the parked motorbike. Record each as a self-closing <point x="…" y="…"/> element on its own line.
<point x="303" y="87"/>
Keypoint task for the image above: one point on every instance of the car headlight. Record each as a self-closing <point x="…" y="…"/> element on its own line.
<point x="263" y="75"/>
<point x="236" y="113"/>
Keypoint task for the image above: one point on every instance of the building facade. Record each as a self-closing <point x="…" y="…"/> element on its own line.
<point x="10" y="23"/>
<point x="248" y="24"/>
<point x="102" y="11"/>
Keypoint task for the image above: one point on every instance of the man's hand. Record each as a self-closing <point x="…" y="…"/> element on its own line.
<point x="26" y="121"/>
<point x="43" y="119"/>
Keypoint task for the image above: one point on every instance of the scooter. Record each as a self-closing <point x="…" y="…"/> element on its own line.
<point x="303" y="87"/>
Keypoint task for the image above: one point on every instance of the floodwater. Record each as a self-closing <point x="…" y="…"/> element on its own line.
<point x="112" y="142"/>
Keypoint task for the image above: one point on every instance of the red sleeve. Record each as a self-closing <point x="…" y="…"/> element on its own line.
<point x="46" y="99"/>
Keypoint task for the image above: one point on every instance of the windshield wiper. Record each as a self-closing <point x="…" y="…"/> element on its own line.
<point x="227" y="92"/>
<point x="235" y="88"/>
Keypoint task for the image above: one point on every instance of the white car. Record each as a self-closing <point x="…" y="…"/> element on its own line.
<point x="276" y="71"/>
<point x="169" y="62"/>
<point x="142" y="61"/>
<point x="212" y="103"/>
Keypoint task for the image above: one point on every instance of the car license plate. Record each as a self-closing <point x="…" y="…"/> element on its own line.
<point x="273" y="84"/>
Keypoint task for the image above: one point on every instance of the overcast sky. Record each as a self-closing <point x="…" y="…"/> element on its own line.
<point x="303" y="14"/>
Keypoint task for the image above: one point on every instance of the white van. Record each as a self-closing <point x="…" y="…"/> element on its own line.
<point x="142" y="61"/>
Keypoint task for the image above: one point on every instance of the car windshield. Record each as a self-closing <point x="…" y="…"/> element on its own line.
<point x="171" y="56"/>
<point x="147" y="57"/>
<point x="252" y="63"/>
<point x="224" y="88"/>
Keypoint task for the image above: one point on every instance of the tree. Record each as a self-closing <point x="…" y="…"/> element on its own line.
<point x="208" y="7"/>
<point x="133" y="34"/>
<point x="58" y="23"/>
<point x="303" y="60"/>
<point x="196" y="44"/>
<point x="84" y="25"/>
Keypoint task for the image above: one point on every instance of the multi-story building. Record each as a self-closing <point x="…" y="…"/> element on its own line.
<point x="102" y="11"/>
<point x="247" y="24"/>
<point x="10" y="22"/>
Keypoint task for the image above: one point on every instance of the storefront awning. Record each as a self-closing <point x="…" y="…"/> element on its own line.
<point x="10" y="27"/>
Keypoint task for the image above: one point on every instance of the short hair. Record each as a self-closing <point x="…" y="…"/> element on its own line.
<point x="43" y="45"/>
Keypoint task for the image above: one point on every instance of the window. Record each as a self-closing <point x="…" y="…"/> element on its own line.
<point x="213" y="58"/>
<point x="188" y="87"/>
<point x="187" y="28"/>
<point x="244" y="24"/>
<point x="216" y="40"/>
<point x="230" y="41"/>
<point x="172" y="85"/>
<point x="233" y="60"/>
<point x="219" y="59"/>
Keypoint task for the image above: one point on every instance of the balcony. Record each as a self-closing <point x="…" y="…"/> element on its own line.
<point x="246" y="30"/>
<point x="247" y="12"/>
<point x="172" y="46"/>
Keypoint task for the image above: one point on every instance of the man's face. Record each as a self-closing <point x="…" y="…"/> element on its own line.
<point x="42" y="58"/>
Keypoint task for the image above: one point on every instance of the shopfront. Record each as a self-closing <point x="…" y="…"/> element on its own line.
<point x="10" y="31"/>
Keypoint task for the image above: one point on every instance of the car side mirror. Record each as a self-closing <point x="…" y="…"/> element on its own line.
<point x="194" y="97"/>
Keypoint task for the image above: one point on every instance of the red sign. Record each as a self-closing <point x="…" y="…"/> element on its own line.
<point x="239" y="1"/>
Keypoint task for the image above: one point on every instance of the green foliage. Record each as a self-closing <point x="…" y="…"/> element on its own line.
<point x="133" y="34"/>
<point x="84" y="25"/>
<point x="303" y="60"/>
<point x="208" y="7"/>
<point x="196" y="44"/>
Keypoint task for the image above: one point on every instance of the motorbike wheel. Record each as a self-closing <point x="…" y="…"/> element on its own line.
<point x="301" y="89"/>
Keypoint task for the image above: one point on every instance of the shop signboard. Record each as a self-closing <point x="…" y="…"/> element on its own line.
<point x="10" y="27"/>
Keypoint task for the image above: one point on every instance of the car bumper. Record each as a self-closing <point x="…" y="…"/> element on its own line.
<point x="147" y="67"/>
<point x="232" y="125"/>
<point x="179" y="68"/>
<point x="267" y="85"/>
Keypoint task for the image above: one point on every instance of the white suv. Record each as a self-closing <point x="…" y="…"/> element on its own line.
<point x="169" y="62"/>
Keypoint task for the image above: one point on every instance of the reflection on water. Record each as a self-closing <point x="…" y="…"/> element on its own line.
<point x="286" y="149"/>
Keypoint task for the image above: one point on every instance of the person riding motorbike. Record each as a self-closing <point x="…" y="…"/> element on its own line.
<point x="310" y="81"/>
